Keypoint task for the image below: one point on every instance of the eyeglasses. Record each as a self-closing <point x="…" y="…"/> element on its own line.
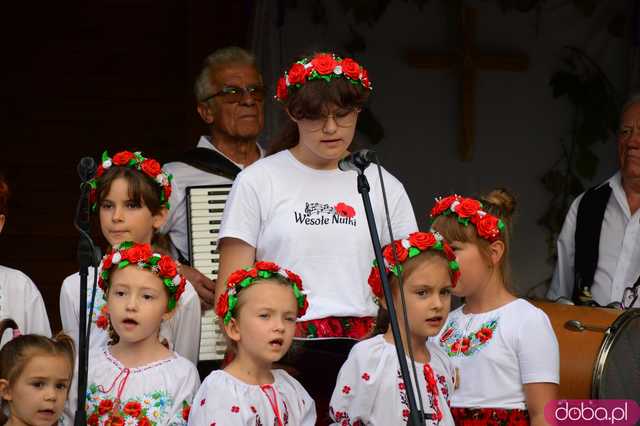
<point x="342" y="118"/>
<point x="233" y="94"/>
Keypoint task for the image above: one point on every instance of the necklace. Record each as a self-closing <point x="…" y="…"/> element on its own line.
<point x="433" y="392"/>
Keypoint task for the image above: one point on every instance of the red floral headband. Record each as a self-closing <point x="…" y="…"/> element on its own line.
<point x="468" y="210"/>
<point x="243" y="278"/>
<point x="141" y="255"/>
<point x="136" y="161"/>
<point x="322" y="66"/>
<point x="413" y="245"/>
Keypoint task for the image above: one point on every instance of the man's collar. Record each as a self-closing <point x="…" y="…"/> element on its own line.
<point x="205" y="142"/>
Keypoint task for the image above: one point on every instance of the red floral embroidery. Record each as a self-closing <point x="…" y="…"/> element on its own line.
<point x="253" y="409"/>
<point x="346" y="389"/>
<point x="401" y="386"/>
<point x="365" y="377"/>
<point x="202" y="401"/>
<point x="490" y="417"/>
<point x="235" y="409"/>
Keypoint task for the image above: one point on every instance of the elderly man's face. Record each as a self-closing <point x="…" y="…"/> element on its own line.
<point x="240" y="118"/>
<point x="629" y="142"/>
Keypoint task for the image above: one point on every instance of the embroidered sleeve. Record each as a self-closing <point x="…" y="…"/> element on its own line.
<point x="355" y="391"/>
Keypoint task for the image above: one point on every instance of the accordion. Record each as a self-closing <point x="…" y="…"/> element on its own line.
<point x="205" y="205"/>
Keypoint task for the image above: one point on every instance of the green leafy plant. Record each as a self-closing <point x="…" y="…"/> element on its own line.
<point x="595" y="118"/>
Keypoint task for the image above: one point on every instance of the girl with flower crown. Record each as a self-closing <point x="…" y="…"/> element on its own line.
<point x="503" y="347"/>
<point x="296" y="207"/>
<point x="130" y="195"/>
<point x="259" y="308"/>
<point x="20" y="299"/>
<point x="370" y="389"/>
<point x="136" y="379"/>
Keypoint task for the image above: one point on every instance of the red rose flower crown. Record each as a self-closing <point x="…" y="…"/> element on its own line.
<point x="134" y="160"/>
<point x="412" y="246"/>
<point x="322" y="66"/>
<point x="469" y="210"/>
<point x="243" y="278"/>
<point x="140" y="255"/>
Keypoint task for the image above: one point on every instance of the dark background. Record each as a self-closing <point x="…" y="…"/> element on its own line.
<point x="81" y="77"/>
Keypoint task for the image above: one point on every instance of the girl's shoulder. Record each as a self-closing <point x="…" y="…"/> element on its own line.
<point x="14" y="278"/>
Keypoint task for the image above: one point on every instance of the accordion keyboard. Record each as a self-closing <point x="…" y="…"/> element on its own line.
<point x="205" y="205"/>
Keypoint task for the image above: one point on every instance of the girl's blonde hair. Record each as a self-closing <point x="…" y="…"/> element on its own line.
<point x="15" y="355"/>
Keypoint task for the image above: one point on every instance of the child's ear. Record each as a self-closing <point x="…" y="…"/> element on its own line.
<point x="496" y="251"/>
<point x="5" y="390"/>
<point x="160" y="218"/>
<point x="3" y="218"/>
<point x="233" y="330"/>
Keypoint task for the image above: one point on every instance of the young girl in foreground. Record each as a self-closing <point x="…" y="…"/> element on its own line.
<point x="259" y="309"/>
<point x="35" y="375"/>
<point x="131" y="196"/>
<point x="504" y="347"/>
<point x="136" y="379"/>
<point x="370" y="389"/>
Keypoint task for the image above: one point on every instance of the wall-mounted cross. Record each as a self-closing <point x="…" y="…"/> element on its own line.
<point x="467" y="61"/>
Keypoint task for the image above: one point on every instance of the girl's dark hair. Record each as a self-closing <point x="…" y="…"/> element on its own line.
<point x="142" y="189"/>
<point x="311" y="101"/>
<point x="15" y="355"/>
<point x="382" y="321"/>
<point x="4" y="196"/>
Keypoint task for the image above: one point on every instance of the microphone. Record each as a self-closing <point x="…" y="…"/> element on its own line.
<point x="358" y="161"/>
<point x="87" y="168"/>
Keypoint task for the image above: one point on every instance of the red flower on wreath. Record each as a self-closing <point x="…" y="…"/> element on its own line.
<point x="323" y="63"/>
<point x="223" y="304"/>
<point x="350" y="68"/>
<point x="422" y="240"/>
<point x="167" y="267"/>
<point x="138" y="253"/>
<point x="401" y="252"/>
<point x="467" y="207"/>
<point x="375" y="282"/>
<point x="487" y="227"/>
<point x="122" y="158"/>
<point x="295" y="278"/>
<point x="442" y="205"/>
<point x="364" y="78"/>
<point x="345" y="210"/>
<point x="151" y="167"/>
<point x="297" y="73"/>
<point x="267" y="266"/>
<point x="281" y="89"/>
<point x="236" y="277"/>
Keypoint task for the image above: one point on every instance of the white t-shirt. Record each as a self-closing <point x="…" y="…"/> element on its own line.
<point x="161" y="391"/>
<point x="224" y="400"/>
<point x="618" y="250"/>
<point x="370" y="388"/>
<point x="184" y="176"/>
<point x="182" y="331"/>
<point x="21" y="301"/>
<point x="498" y="351"/>
<point x="313" y="222"/>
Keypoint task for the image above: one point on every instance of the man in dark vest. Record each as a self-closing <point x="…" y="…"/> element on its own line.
<point x="230" y="97"/>
<point x="599" y="245"/>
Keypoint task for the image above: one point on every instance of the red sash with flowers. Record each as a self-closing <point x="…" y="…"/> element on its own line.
<point x="490" y="417"/>
<point x="353" y="327"/>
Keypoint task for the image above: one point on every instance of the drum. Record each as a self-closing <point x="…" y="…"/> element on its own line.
<point x="599" y="351"/>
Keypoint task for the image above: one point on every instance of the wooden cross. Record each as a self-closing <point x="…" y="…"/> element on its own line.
<point x="468" y="61"/>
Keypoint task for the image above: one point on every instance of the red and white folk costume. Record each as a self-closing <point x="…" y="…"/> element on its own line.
<point x="370" y="389"/>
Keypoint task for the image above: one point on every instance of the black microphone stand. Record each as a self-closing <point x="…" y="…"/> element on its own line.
<point x="415" y="416"/>
<point x="86" y="256"/>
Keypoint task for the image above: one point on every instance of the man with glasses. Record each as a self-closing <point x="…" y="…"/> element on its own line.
<point x="599" y="245"/>
<point x="230" y="95"/>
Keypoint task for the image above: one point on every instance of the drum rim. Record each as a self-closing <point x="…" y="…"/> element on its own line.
<point x="610" y="338"/>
